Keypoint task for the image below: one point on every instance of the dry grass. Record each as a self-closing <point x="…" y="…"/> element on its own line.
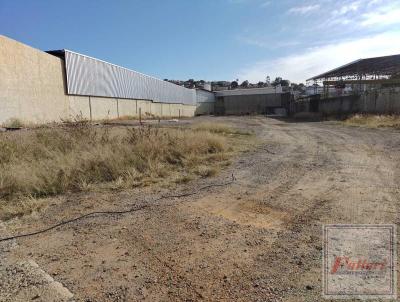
<point x="374" y="121"/>
<point x="219" y="128"/>
<point x="79" y="157"/>
<point x="14" y="123"/>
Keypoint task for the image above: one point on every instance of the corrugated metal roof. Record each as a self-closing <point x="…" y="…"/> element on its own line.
<point x="94" y="77"/>
<point x="380" y="66"/>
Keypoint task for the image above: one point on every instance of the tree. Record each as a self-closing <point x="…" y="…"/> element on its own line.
<point x="298" y="87"/>
<point x="245" y="84"/>
<point x="260" y="84"/>
<point x="189" y="83"/>
<point x="234" y="85"/>
<point x="268" y="81"/>
<point x="285" y="83"/>
<point x="277" y="81"/>
<point x="280" y="81"/>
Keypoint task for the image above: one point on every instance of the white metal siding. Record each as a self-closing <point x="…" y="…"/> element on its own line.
<point x="251" y="91"/>
<point x="89" y="76"/>
<point x="205" y="96"/>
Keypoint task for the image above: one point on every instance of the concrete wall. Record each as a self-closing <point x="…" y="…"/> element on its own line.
<point x="79" y="107"/>
<point x="127" y="108"/>
<point x="188" y="111"/>
<point x="103" y="108"/>
<point x="33" y="90"/>
<point x="301" y="106"/>
<point x="32" y="86"/>
<point x="386" y="100"/>
<point x="205" y="102"/>
<point x="338" y="105"/>
<point x="249" y="104"/>
<point x="205" y="108"/>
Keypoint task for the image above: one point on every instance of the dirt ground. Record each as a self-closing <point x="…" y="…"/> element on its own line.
<point x="258" y="239"/>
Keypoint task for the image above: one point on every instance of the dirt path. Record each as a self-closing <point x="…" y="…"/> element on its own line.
<point x="259" y="239"/>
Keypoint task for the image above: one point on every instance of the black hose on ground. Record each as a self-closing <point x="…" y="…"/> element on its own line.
<point x="121" y="212"/>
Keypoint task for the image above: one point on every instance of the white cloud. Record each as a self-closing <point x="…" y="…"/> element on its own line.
<point x="302" y="10"/>
<point x="375" y="14"/>
<point x="317" y="60"/>
<point x="351" y="7"/>
<point x="373" y="2"/>
<point x="266" y="3"/>
<point x="384" y="17"/>
<point x="267" y="42"/>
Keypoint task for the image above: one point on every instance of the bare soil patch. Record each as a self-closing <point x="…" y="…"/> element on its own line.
<point x="259" y="239"/>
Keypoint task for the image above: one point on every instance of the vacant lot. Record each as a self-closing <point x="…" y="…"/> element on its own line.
<point x="80" y="157"/>
<point x="258" y="239"/>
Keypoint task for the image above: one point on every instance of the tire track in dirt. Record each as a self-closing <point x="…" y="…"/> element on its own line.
<point x="258" y="240"/>
<point x="299" y="260"/>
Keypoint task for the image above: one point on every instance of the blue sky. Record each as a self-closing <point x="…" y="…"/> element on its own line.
<point x="211" y="39"/>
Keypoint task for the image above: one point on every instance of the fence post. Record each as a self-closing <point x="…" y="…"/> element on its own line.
<point x="140" y="115"/>
<point x="90" y="108"/>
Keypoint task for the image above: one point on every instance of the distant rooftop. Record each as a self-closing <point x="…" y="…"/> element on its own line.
<point x="249" y="91"/>
<point x="378" y="67"/>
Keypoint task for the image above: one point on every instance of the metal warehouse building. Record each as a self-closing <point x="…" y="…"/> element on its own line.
<point x="205" y="102"/>
<point x="267" y="100"/>
<point x="94" y="77"/>
<point x="40" y="87"/>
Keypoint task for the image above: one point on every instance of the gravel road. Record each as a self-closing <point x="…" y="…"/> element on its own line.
<point x="259" y="239"/>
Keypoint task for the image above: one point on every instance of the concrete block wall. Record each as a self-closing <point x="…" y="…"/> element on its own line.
<point x="177" y="111"/>
<point x="383" y="101"/>
<point x="127" y="108"/>
<point x="79" y="107"/>
<point x="103" y="108"/>
<point x="187" y="111"/>
<point x="165" y="110"/>
<point x="302" y="106"/>
<point x="33" y="90"/>
<point x="250" y="104"/>
<point x="32" y="84"/>
<point x="345" y="104"/>
<point x="205" y="108"/>
<point x="158" y="109"/>
<point x="144" y="107"/>
<point x="386" y="100"/>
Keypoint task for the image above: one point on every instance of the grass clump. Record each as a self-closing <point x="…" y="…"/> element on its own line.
<point x="14" y="123"/>
<point x="374" y="121"/>
<point x="78" y="157"/>
<point x="219" y="128"/>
